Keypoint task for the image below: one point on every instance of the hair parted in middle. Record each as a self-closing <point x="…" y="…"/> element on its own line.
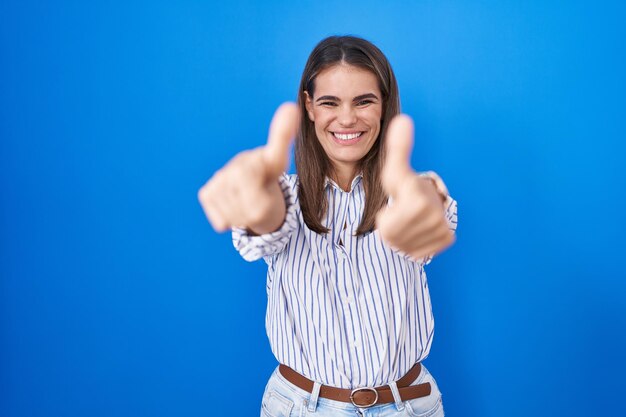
<point x="312" y="163"/>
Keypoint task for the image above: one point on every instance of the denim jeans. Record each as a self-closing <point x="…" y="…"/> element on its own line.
<point x="283" y="399"/>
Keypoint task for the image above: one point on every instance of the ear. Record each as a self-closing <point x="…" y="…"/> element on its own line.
<point x="309" y="105"/>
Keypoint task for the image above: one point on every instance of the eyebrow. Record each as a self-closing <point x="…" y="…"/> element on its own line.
<point x="357" y="98"/>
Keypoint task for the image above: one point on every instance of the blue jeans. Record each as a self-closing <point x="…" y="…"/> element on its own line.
<point x="283" y="399"/>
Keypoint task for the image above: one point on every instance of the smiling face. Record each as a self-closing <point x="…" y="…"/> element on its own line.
<point x="346" y="109"/>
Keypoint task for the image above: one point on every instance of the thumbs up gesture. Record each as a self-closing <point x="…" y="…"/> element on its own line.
<point x="414" y="222"/>
<point x="245" y="192"/>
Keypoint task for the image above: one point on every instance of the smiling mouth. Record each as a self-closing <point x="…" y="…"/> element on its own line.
<point x="347" y="136"/>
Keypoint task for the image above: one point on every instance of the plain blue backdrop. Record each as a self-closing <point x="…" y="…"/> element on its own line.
<point x="118" y="299"/>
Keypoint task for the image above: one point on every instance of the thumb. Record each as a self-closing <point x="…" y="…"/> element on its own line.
<point x="399" y="143"/>
<point x="282" y="131"/>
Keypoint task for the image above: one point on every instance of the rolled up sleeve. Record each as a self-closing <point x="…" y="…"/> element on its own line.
<point x="451" y="217"/>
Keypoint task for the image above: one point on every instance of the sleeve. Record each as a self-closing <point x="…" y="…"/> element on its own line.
<point x="451" y="213"/>
<point x="449" y="204"/>
<point x="253" y="247"/>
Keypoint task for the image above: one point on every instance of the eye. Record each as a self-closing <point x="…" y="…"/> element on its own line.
<point x="328" y="103"/>
<point x="364" y="102"/>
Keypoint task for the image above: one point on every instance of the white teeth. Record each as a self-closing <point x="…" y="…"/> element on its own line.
<point x="347" y="136"/>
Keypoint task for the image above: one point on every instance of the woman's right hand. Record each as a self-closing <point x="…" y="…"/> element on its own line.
<point x="245" y="193"/>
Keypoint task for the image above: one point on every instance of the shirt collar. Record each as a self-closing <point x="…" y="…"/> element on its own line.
<point x="355" y="182"/>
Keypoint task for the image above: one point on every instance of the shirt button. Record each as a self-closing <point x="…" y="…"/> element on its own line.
<point x="356" y="344"/>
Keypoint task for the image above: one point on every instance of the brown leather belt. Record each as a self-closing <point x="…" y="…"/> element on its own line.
<point x="366" y="396"/>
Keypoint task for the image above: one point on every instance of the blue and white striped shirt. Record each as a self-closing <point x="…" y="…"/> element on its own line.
<point x="343" y="310"/>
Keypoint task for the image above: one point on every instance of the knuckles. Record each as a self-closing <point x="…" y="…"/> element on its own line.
<point x="402" y="228"/>
<point x="435" y="220"/>
<point x="226" y="197"/>
<point x="242" y="167"/>
<point x="203" y="194"/>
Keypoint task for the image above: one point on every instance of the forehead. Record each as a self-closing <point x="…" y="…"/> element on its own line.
<point x="346" y="81"/>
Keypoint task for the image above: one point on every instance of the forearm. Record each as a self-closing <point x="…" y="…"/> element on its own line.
<point x="253" y="246"/>
<point x="273" y="209"/>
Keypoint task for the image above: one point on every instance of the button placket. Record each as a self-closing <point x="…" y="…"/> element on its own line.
<point x="341" y="238"/>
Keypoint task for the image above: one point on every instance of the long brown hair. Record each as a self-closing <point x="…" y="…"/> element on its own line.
<point x="312" y="163"/>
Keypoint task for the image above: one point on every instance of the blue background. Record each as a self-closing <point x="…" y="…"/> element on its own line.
<point x="118" y="299"/>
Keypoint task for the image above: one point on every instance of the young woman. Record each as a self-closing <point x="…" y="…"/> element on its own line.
<point x="345" y="240"/>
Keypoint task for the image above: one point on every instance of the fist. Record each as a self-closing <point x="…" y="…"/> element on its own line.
<point x="245" y="192"/>
<point x="414" y="222"/>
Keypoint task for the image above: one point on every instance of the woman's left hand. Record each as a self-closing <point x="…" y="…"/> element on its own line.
<point x="414" y="222"/>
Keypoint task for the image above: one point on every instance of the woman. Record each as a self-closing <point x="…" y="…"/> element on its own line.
<point x="346" y="239"/>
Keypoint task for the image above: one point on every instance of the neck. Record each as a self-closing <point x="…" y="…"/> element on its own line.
<point x="343" y="176"/>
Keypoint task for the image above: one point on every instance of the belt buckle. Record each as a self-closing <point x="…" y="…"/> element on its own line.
<point x="364" y="389"/>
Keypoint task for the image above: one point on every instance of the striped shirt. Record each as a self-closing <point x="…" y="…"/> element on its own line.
<point x="342" y="310"/>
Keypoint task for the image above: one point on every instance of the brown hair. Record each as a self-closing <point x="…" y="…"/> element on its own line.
<point x="312" y="163"/>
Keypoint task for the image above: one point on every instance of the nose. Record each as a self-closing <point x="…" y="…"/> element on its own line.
<point x="347" y="116"/>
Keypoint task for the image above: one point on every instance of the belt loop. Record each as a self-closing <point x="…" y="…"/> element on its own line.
<point x="314" y="396"/>
<point x="396" y="395"/>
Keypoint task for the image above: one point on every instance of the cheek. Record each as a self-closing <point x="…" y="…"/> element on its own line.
<point x="321" y="122"/>
<point x="378" y="117"/>
<point x="320" y="131"/>
<point x="373" y="118"/>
